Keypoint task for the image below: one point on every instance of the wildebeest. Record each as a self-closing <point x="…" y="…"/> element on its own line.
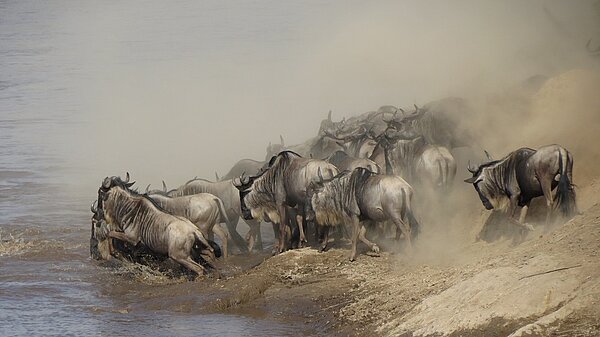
<point x="525" y="174"/>
<point x="442" y="122"/>
<point x="282" y="184"/>
<point x="243" y="166"/>
<point x="361" y="197"/>
<point x="135" y="218"/>
<point x="407" y="154"/>
<point x="204" y="210"/>
<point x="319" y="146"/>
<point x="99" y="245"/>
<point x="225" y="191"/>
<point x="344" y="162"/>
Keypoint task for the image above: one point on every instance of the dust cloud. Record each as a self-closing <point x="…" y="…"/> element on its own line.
<point x="177" y="91"/>
<point x="182" y="91"/>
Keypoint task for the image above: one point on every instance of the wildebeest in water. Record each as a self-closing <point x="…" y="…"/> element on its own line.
<point x="135" y="218"/>
<point x="525" y="174"/>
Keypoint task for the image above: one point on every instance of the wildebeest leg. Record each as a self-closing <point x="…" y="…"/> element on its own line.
<point x="259" y="242"/>
<point x="326" y="230"/>
<point x="235" y="236"/>
<point x="403" y="227"/>
<point x="276" y="234"/>
<point x="363" y="238"/>
<point x="123" y="237"/>
<point x="355" y="234"/>
<point x="223" y="236"/>
<point x="191" y="265"/>
<point x="547" y="190"/>
<point x="301" y="219"/>
<point x="283" y="224"/>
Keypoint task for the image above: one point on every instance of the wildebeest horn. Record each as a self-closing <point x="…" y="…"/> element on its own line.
<point x="148" y="188"/>
<point x="281" y="139"/>
<point x="126" y="178"/>
<point x="106" y="183"/>
<point x="472" y="170"/>
<point x="164" y="186"/>
<point x="488" y="155"/>
<point x="329" y="114"/>
<point x="217" y="176"/>
<point x="94" y="207"/>
<point x="320" y="174"/>
<point x="416" y="107"/>
<point x="243" y="179"/>
<point x="403" y="112"/>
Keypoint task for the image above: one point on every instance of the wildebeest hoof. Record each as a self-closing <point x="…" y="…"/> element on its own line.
<point x="529" y="227"/>
<point x="375" y="249"/>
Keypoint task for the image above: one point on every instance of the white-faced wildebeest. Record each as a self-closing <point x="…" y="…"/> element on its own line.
<point x="525" y="174"/>
<point x="135" y="218"/>
<point x="282" y="185"/>
<point x="361" y="198"/>
<point x="204" y="210"/>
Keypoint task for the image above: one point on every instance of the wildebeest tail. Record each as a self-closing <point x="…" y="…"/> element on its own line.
<point x="409" y="216"/>
<point x="206" y="249"/>
<point x="565" y="195"/>
<point x="224" y="217"/>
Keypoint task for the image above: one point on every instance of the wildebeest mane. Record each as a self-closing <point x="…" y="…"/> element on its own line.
<point x="339" y="197"/>
<point x="504" y="173"/>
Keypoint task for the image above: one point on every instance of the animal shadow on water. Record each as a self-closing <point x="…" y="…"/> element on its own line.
<point x="140" y="254"/>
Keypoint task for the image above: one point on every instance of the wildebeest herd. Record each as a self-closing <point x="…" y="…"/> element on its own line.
<point x="357" y="179"/>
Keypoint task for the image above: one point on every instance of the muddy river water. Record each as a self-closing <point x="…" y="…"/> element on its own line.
<point x="48" y="284"/>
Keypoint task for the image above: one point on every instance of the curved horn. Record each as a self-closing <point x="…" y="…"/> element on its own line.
<point x="126" y="178"/>
<point x="281" y="139"/>
<point x="107" y="182"/>
<point x="217" y="176"/>
<point x="416" y="107"/>
<point x="329" y="114"/>
<point x="488" y="155"/>
<point x="472" y="170"/>
<point x="148" y="188"/>
<point x="403" y="112"/>
<point x="164" y="186"/>
<point x="94" y="207"/>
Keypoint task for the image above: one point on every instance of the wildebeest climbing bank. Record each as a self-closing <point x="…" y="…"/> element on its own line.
<point x="378" y="188"/>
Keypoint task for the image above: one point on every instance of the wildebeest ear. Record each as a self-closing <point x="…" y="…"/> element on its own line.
<point x="470" y="180"/>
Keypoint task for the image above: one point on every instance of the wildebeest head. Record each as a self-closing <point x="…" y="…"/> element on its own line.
<point x="328" y="126"/>
<point x="485" y="184"/>
<point x="110" y="182"/>
<point x="244" y="185"/>
<point x="98" y="243"/>
<point x="274" y="149"/>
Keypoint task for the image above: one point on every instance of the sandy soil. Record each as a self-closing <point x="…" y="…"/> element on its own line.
<point x="546" y="286"/>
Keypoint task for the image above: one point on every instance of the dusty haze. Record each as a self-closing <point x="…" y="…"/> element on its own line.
<point x="195" y="89"/>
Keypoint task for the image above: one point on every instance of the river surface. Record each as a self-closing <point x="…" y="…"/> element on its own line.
<point x="50" y="62"/>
